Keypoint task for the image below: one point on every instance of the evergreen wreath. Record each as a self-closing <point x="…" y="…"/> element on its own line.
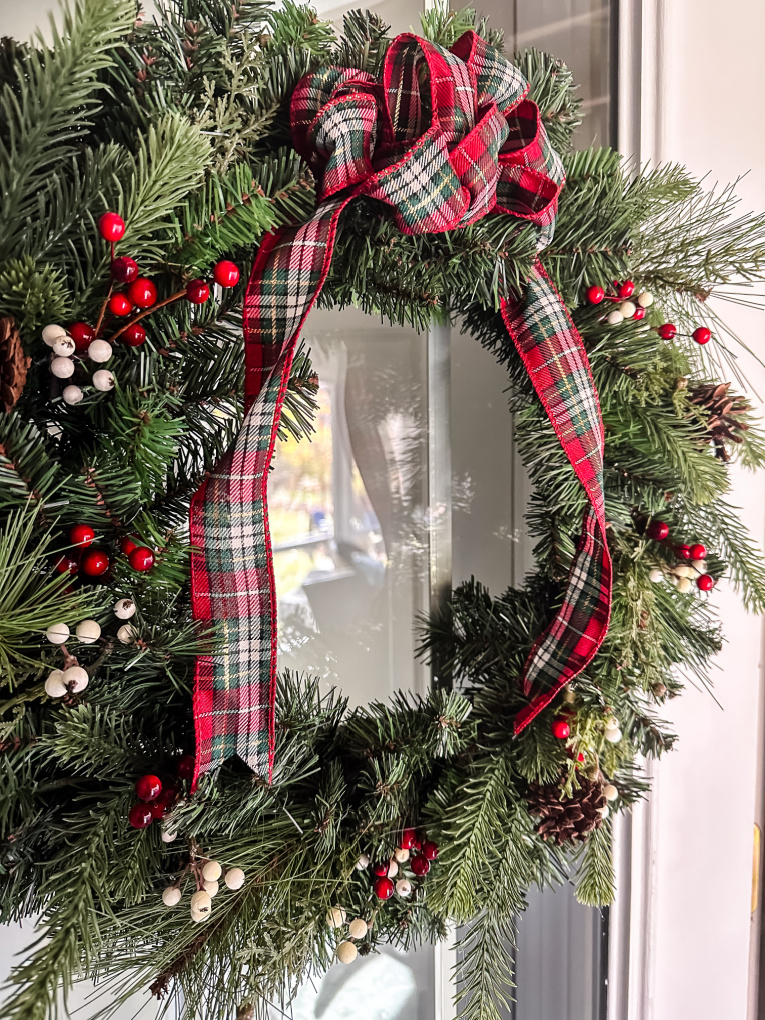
<point x="386" y="823"/>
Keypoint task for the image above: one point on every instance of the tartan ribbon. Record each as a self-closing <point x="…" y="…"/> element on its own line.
<point x="444" y="139"/>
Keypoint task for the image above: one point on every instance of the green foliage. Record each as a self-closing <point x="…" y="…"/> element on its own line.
<point x="182" y="124"/>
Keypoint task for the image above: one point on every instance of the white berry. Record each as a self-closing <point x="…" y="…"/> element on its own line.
<point x="211" y="887"/>
<point x="197" y="916"/>
<point x="656" y="575"/>
<point x="614" y="736"/>
<point x="124" y="609"/>
<point x="363" y="862"/>
<point x="401" y="855"/>
<point x="403" y="887"/>
<point x="88" y="632"/>
<point x="234" y="878"/>
<point x="346" y="952"/>
<point x="126" y="634"/>
<point x="335" y="917"/>
<point x="64" y="346"/>
<point x="615" y="317"/>
<point x="62" y="368"/>
<point x="612" y="723"/>
<point x="57" y="633"/>
<point x="682" y="570"/>
<point x="169" y="835"/>
<point x="627" y="309"/>
<point x="610" y="792"/>
<point x="603" y="811"/>
<point x="358" y="928"/>
<point x="700" y="566"/>
<point x="171" y="896"/>
<point x="103" y="380"/>
<point x="201" y="902"/>
<point x="684" y="585"/>
<point x="212" y="871"/>
<point x="392" y="869"/>
<point x="55" y="686"/>
<point x="100" y="350"/>
<point x="76" y="679"/>
<point x="72" y="395"/>
<point x="645" y="300"/>
<point x="51" y="333"/>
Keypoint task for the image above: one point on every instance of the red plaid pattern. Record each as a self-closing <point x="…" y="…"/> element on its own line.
<point x="444" y="139"/>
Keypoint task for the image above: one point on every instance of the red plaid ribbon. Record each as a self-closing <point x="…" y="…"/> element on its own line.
<point x="446" y="138"/>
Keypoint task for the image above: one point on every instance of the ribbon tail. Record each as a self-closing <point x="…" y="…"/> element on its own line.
<point x="555" y="358"/>
<point x="232" y="574"/>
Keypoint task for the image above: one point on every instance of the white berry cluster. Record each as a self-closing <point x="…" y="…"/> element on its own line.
<point x="207" y="875"/>
<point x="346" y="950"/>
<point x="681" y="575"/>
<point x="63" y="349"/>
<point x="74" y="678"/>
<point x="627" y="309"/>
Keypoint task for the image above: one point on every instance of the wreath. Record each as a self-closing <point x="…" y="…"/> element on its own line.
<point x="179" y="817"/>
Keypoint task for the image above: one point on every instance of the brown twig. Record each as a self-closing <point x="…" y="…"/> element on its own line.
<point x="148" y="311"/>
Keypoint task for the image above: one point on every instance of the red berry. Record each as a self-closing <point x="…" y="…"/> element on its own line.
<point x="383" y="888"/>
<point x="595" y="294"/>
<point x="119" y="304"/>
<point x="560" y="729"/>
<point x="668" y="331"/>
<point x="142" y="292"/>
<point x="657" y="530"/>
<point x="626" y="289"/>
<point x="141" y="558"/>
<point x="111" y="227"/>
<point x="185" y="766"/>
<point x="127" y="544"/>
<point x="417" y="845"/>
<point x="148" y="787"/>
<point x="702" y="335"/>
<point x="124" y="269"/>
<point x="81" y="534"/>
<point x="140" y="816"/>
<point x="94" y="562"/>
<point x="226" y="274"/>
<point x="82" y="334"/>
<point x="67" y="564"/>
<point x="698" y="551"/>
<point x="134" y="335"/>
<point x="408" y="836"/>
<point x="430" y="850"/>
<point x="197" y="292"/>
<point x="683" y="552"/>
<point x="381" y="868"/>
<point x="420" y="865"/>
<point x="158" y="809"/>
<point x="705" y="582"/>
<point x="169" y="794"/>
<point x="639" y="312"/>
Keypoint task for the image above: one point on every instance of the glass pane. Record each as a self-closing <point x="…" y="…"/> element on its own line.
<point x="579" y="32"/>
<point x="348" y="512"/>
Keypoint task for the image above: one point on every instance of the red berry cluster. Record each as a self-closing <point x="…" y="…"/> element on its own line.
<point x="95" y="562"/>
<point x="668" y="331"/>
<point x="140" y="294"/>
<point x="155" y="798"/>
<point x="658" y="531"/>
<point x="623" y="290"/>
<point x="422" y="851"/>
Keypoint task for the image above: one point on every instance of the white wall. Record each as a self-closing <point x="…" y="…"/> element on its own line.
<point x="708" y="80"/>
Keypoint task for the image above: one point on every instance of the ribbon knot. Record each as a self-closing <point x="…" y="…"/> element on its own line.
<point x="447" y="137"/>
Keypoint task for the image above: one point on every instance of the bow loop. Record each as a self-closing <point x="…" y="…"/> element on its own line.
<point x="445" y="138"/>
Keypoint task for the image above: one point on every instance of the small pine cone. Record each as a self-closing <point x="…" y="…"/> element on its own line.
<point x="565" y="819"/>
<point x="14" y="363"/>
<point x="724" y="424"/>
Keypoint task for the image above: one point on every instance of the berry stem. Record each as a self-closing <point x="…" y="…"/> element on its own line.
<point x="104" y="306"/>
<point x="148" y="311"/>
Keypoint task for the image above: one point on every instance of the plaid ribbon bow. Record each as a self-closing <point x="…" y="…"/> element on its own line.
<point x="446" y="138"/>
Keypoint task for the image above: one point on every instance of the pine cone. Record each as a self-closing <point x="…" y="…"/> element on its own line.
<point x="570" y="818"/>
<point x="724" y="423"/>
<point x="14" y="363"/>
